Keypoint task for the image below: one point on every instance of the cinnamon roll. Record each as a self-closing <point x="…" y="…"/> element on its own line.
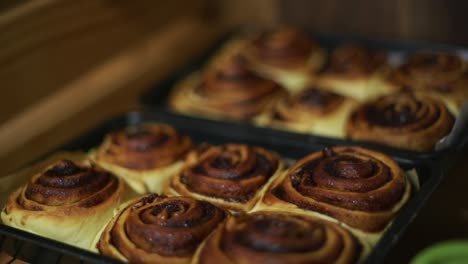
<point x="231" y="176"/>
<point x="314" y="110"/>
<point x="443" y="75"/>
<point x="272" y="237"/>
<point x="286" y="55"/>
<point x="145" y="155"/>
<point x="227" y="90"/>
<point x="158" y="229"/>
<point x="356" y="71"/>
<point x="232" y="49"/>
<point x="403" y="120"/>
<point x="360" y="188"/>
<point x="69" y="201"/>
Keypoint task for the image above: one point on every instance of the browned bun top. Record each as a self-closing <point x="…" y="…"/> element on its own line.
<point x="231" y="89"/>
<point x="270" y="237"/>
<point x="155" y="227"/>
<point x="144" y="147"/>
<point x="357" y="186"/>
<point x="429" y="70"/>
<point x="284" y="46"/>
<point x="356" y="60"/>
<point x="65" y="184"/>
<point x="232" y="172"/>
<point x="311" y="101"/>
<point x="405" y="120"/>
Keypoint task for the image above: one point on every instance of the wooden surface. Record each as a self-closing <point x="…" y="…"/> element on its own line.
<point x="47" y="44"/>
<point x="54" y="70"/>
<point x="52" y="121"/>
<point x="66" y="66"/>
<point x="428" y="20"/>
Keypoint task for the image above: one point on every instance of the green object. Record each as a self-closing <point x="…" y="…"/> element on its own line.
<point x="450" y="252"/>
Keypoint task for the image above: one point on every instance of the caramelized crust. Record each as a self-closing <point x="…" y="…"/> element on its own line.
<point x="158" y="229"/>
<point x="312" y="100"/>
<point x="231" y="175"/>
<point x="313" y="110"/>
<point x="356" y="71"/>
<point x="286" y="55"/>
<point x="429" y="70"/>
<point x="443" y="75"/>
<point x="402" y="120"/>
<point x="269" y="237"/>
<point x="355" y="61"/>
<point x="68" y="201"/>
<point x="226" y="90"/>
<point x="144" y="155"/>
<point x="284" y="47"/>
<point x="361" y="188"/>
<point x="66" y="183"/>
<point x="144" y="147"/>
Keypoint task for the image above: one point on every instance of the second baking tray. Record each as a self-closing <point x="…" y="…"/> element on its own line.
<point x="430" y="175"/>
<point x="156" y="97"/>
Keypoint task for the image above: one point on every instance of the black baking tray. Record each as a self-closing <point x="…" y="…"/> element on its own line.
<point x="43" y="250"/>
<point x="155" y="98"/>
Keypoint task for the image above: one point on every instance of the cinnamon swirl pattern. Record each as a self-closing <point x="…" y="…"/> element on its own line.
<point x="443" y="75"/>
<point x="286" y="55"/>
<point x="403" y="120"/>
<point x="280" y="238"/>
<point x="68" y="201"/>
<point x="314" y="110"/>
<point x="361" y="188"/>
<point x="232" y="176"/>
<point x="228" y="90"/>
<point x="145" y="155"/>
<point x="356" y="71"/>
<point x="158" y="229"/>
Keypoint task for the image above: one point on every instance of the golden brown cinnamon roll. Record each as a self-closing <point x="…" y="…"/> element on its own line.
<point x="232" y="49"/>
<point x="356" y="71"/>
<point x="402" y="120"/>
<point x="232" y="176"/>
<point x="145" y="155"/>
<point x="272" y="237"/>
<point x="228" y="90"/>
<point x="313" y="110"/>
<point x="286" y="55"/>
<point x="443" y="75"/>
<point x="360" y="188"/>
<point x="69" y="201"/>
<point x="158" y="229"/>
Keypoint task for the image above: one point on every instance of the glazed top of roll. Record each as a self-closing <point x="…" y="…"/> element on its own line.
<point x="408" y="120"/>
<point x="354" y="185"/>
<point x="144" y="147"/>
<point x="157" y="228"/>
<point x="312" y="101"/>
<point x="231" y="172"/>
<point x="398" y="111"/>
<point x="232" y="89"/>
<point x="267" y="237"/>
<point x="355" y="60"/>
<point x="283" y="47"/>
<point x="68" y="184"/>
<point x="430" y="70"/>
